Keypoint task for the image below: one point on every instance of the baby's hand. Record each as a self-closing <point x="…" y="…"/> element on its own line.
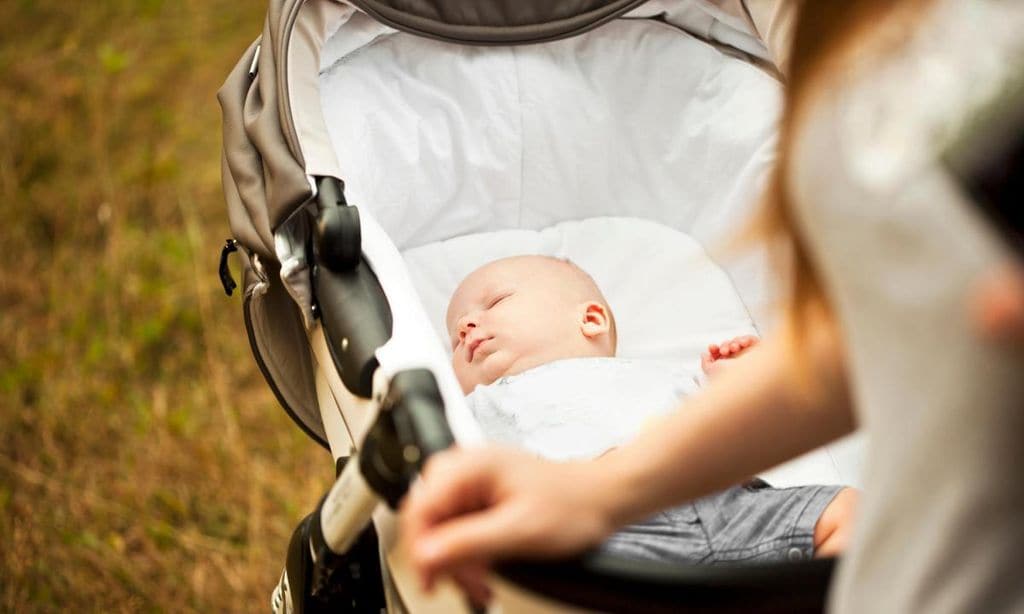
<point x="712" y="360"/>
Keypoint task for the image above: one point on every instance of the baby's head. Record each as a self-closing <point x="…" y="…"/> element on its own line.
<point x="517" y="313"/>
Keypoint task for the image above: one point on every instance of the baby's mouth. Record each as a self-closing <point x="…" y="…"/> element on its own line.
<point x="476" y="344"/>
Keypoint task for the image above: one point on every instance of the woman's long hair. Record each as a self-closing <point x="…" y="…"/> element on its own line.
<point x="826" y="37"/>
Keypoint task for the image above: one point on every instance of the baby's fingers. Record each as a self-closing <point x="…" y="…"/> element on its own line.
<point x="706" y="360"/>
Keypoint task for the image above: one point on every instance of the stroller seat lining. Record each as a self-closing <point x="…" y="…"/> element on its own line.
<point x="636" y="118"/>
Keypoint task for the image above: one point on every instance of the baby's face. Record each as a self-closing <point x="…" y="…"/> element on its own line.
<point x="509" y="316"/>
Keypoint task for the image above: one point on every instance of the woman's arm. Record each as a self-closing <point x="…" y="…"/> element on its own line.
<point x="474" y="505"/>
<point x="768" y="407"/>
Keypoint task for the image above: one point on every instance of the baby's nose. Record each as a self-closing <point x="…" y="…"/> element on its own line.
<point x="465" y="326"/>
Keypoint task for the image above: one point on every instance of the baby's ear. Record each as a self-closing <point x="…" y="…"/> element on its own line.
<point x="594" y="321"/>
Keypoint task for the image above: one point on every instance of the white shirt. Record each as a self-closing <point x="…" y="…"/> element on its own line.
<point x="580" y="407"/>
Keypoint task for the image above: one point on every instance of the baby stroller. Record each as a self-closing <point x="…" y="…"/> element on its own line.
<point x="375" y="151"/>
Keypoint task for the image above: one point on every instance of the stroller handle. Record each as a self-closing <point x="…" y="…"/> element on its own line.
<point x="610" y="583"/>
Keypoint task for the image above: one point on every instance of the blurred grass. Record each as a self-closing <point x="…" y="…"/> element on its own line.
<point x="144" y="465"/>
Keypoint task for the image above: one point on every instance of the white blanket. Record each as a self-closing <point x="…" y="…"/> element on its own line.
<point x="581" y="407"/>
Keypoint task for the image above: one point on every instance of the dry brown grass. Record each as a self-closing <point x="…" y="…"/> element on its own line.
<point x="144" y="465"/>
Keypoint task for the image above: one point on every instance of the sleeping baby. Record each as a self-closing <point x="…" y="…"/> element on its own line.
<point x="533" y="347"/>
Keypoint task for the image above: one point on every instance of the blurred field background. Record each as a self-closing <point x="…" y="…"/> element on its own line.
<point x="144" y="464"/>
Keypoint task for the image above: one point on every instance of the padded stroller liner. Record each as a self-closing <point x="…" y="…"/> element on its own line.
<point x="636" y="118"/>
<point x="669" y="307"/>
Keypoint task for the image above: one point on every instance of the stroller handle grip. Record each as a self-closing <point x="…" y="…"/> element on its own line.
<point x="609" y="583"/>
<point x="346" y="509"/>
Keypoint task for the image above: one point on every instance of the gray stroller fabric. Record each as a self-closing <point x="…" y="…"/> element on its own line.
<point x="496" y="21"/>
<point x="264" y="183"/>
<point x="264" y="174"/>
<point x="278" y="341"/>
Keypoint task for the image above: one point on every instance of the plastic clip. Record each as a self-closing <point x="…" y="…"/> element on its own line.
<point x="225" y="273"/>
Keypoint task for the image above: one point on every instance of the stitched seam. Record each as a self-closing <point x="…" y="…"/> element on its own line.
<point x="803" y="510"/>
<point x="522" y="136"/>
<point x="763" y="545"/>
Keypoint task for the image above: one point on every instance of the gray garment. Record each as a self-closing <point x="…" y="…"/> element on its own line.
<point x="899" y="250"/>
<point x="743" y="524"/>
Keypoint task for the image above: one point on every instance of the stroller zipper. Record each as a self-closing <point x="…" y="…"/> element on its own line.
<point x="254" y="66"/>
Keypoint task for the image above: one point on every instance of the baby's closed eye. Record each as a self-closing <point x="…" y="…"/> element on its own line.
<point x="494" y="301"/>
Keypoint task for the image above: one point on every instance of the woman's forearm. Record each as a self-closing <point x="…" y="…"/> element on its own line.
<point x="760" y="411"/>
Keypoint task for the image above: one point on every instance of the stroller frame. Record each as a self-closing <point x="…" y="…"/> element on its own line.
<point x="272" y="180"/>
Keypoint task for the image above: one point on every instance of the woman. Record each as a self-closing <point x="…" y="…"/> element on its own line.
<point x="887" y="253"/>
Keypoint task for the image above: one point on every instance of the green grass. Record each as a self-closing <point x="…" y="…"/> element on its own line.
<point x="144" y="464"/>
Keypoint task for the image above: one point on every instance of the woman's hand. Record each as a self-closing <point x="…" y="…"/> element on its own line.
<point x="998" y="305"/>
<point x="472" y="506"/>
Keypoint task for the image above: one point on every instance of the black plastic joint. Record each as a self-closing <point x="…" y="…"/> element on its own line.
<point x="339" y="238"/>
<point x="409" y="428"/>
<point x="381" y="461"/>
<point x="330" y="192"/>
<point x="420" y="420"/>
<point x="338" y="234"/>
